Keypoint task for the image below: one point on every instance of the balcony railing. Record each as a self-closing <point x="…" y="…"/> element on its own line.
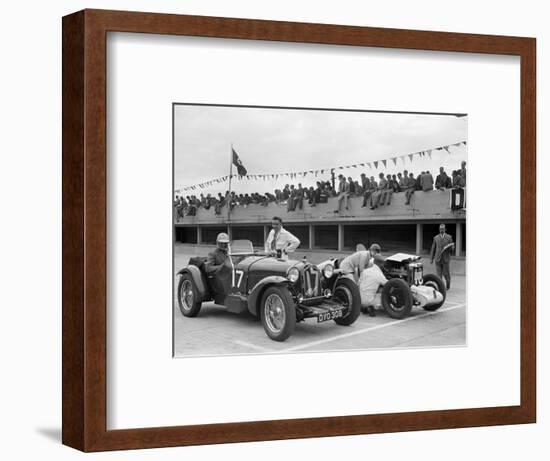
<point x="429" y="205"/>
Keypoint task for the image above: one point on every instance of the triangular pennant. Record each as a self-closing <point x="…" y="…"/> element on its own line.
<point x="447" y="149"/>
<point x="376" y="164"/>
<point x="394" y="159"/>
<point x="384" y="162"/>
<point x="411" y="157"/>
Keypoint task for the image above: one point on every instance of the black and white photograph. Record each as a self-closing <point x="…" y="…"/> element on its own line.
<point x="308" y="230"/>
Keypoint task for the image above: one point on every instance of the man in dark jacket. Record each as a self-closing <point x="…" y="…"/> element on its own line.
<point x="442" y="246"/>
<point x="299" y="197"/>
<point x="218" y="256"/>
<point x="343" y="193"/>
<point x="409" y="191"/>
<point x="443" y="181"/>
<point x="427" y="181"/>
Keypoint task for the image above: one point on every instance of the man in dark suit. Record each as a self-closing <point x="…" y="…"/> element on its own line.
<point x="441" y="252"/>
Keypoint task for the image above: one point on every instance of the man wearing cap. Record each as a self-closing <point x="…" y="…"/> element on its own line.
<point x="217" y="258"/>
<point x="441" y="252"/>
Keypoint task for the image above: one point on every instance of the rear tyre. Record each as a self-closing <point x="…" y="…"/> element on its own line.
<point x="347" y="293"/>
<point x="188" y="299"/>
<point x="397" y="299"/>
<point x="434" y="281"/>
<point x="278" y="313"/>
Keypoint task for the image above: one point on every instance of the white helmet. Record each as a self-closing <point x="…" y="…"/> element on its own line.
<point x="222" y="240"/>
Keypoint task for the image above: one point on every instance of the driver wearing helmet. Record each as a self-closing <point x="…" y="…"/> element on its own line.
<point x="217" y="258"/>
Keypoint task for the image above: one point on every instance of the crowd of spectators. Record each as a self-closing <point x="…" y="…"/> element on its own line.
<point x="375" y="193"/>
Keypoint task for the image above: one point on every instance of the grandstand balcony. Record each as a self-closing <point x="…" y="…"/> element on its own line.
<point x="404" y="227"/>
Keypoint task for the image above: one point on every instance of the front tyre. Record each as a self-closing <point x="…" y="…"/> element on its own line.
<point x="188" y="299"/>
<point x="434" y="281"/>
<point x="347" y="293"/>
<point x="397" y="298"/>
<point x="278" y="313"/>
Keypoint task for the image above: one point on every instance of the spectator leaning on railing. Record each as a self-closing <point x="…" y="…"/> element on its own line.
<point x="375" y="194"/>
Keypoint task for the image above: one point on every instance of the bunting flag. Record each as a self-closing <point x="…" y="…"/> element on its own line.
<point x="243" y="174"/>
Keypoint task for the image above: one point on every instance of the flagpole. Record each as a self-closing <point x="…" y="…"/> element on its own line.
<point x="230" y="176"/>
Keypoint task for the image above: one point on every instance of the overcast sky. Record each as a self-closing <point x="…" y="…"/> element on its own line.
<point x="285" y="140"/>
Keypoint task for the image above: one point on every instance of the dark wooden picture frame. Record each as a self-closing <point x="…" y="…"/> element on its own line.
<point x="85" y="224"/>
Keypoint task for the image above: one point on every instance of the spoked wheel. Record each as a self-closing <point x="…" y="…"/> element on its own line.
<point x="347" y="294"/>
<point x="278" y="313"/>
<point x="434" y="281"/>
<point x="187" y="296"/>
<point x="397" y="299"/>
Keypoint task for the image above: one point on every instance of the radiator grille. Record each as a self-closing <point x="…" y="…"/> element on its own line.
<point x="311" y="281"/>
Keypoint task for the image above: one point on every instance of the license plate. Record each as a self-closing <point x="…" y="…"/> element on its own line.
<point x="330" y="315"/>
<point x="417" y="277"/>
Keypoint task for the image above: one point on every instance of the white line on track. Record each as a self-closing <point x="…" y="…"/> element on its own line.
<point x="252" y="346"/>
<point x="365" y="330"/>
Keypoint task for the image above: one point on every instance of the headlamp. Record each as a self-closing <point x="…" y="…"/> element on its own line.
<point x="293" y="275"/>
<point x="328" y="271"/>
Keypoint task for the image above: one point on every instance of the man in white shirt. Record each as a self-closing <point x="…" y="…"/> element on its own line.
<point x="279" y="239"/>
<point x="370" y="281"/>
<point x="354" y="265"/>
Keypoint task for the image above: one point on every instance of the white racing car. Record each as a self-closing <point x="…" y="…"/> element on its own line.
<point x="407" y="285"/>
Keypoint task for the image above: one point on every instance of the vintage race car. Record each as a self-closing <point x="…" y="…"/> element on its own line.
<point x="407" y="285"/>
<point x="280" y="291"/>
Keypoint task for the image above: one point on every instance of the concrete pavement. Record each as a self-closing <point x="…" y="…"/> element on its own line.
<point x="217" y="332"/>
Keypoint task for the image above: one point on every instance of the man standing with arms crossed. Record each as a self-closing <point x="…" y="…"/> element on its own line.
<point x="441" y="251"/>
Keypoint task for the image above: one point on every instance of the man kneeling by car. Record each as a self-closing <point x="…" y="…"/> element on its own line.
<point x="370" y="281"/>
